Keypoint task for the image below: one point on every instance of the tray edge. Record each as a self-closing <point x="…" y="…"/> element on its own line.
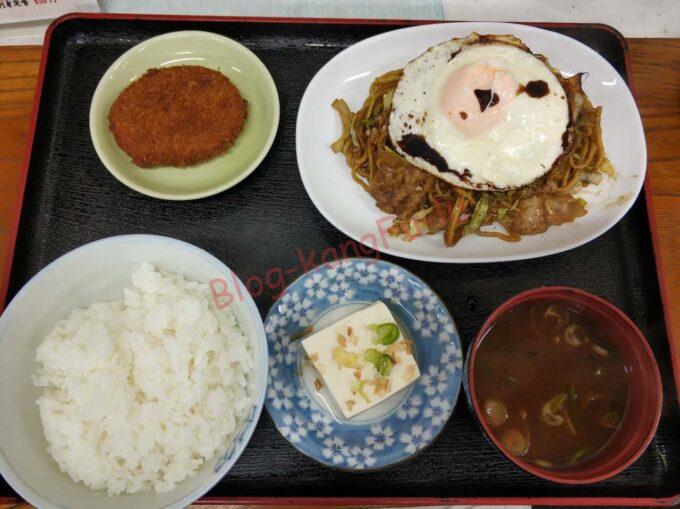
<point x="322" y="501"/>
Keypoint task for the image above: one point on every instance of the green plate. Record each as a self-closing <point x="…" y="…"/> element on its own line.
<point x="232" y="59"/>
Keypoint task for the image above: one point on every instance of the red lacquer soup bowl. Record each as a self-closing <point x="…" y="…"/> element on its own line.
<point x="643" y="408"/>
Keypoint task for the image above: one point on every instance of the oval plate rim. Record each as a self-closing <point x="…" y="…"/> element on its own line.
<point x="450" y="256"/>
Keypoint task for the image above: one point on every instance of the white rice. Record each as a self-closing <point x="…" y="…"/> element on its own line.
<point x="139" y="392"/>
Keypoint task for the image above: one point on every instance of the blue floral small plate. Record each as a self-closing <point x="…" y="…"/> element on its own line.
<point x="400" y="426"/>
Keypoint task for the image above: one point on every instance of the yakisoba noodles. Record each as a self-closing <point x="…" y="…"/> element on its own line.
<point x="425" y="204"/>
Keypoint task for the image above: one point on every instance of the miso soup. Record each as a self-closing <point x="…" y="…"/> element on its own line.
<point x="549" y="384"/>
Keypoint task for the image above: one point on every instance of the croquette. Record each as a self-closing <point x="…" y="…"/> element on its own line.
<point x="177" y="116"/>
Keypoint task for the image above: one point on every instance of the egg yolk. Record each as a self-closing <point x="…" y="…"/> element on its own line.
<point x="476" y="98"/>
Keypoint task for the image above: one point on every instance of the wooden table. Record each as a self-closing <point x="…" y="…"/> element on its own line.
<point x="656" y="76"/>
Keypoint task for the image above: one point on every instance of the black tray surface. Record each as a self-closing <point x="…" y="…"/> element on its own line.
<point x="267" y="221"/>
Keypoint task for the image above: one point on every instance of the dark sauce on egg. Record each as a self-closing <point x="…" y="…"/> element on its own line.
<point x="535" y="89"/>
<point x="486" y="98"/>
<point x="415" y="145"/>
<point x="549" y="384"/>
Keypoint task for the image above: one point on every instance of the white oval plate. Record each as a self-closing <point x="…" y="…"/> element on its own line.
<point x="349" y="208"/>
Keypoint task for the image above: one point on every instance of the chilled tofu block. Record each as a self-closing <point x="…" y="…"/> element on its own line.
<point x="363" y="359"/>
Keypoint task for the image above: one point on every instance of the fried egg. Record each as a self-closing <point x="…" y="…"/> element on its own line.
<point x="481" y="113"/>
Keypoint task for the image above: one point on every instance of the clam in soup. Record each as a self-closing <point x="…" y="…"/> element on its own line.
<point x="550" y="386"/>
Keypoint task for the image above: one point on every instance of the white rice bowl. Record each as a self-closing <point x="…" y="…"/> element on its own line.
<point x="100" y="272"/>
<point x="140" y="391"/>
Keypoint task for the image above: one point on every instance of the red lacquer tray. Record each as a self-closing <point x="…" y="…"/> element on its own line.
<point x="67" y="198"/>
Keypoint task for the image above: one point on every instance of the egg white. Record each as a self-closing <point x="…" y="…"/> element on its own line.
<point x="518" y="150"/>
